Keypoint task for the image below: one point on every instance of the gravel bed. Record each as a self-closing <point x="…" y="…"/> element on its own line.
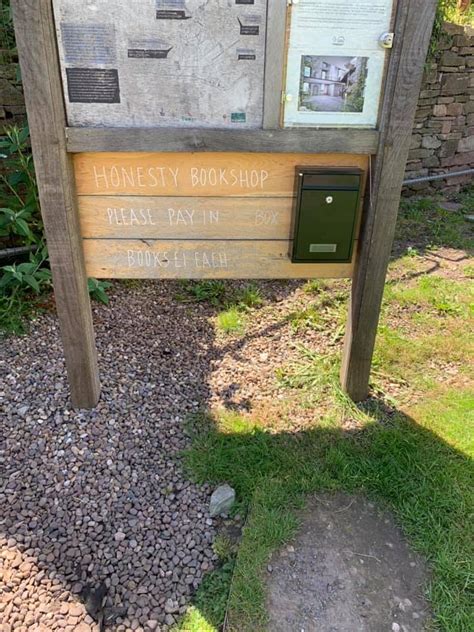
<point x="101" y="496"/>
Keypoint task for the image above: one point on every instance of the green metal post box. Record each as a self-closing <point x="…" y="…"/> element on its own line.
<point x="325" y="214"/>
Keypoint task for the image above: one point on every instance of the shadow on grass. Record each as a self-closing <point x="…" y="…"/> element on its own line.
<point x="394" y="459"/>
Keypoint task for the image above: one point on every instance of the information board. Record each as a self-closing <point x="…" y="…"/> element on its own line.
<point x="336" y="62"/>
<point x="174" y="63"/>
<point x="162" y="202"/>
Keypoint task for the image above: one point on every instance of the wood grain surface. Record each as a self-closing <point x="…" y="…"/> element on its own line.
<point x="314" y="141"/>
<point x="414" y="24"/>
<point x="198" y="174"/>
<point x="36" y="41"/>
<point x="185" y="217"/>
<point x="193" y="259"/>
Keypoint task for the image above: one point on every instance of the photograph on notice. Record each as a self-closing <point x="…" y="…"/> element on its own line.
<point x="332" y="84"/>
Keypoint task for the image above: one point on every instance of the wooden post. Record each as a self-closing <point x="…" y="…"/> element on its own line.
<point x="36" y="41"/>
<point x="413" y="31"/>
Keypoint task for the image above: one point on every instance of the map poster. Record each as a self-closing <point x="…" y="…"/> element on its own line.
<point x="336" y="63"/>
<point x="170" y="63"/>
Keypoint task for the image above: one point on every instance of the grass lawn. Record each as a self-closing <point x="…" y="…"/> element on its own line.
<point x="410" y="446"/>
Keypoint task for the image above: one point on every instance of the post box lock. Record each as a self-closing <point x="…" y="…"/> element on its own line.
<point x="325" y="213"/>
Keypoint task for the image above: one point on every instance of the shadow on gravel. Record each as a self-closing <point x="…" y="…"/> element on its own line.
<point x="100" y="496"/>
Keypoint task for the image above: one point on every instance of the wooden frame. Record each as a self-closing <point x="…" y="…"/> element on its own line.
<point x="319" y="141"/>
<point x="413" y="26"/>
<point x="274" y="63"/>
<point x="53" y="143"/>
<point x="36" y="42"/>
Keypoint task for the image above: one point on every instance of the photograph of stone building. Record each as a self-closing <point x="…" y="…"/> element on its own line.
<point x="332" y="84"/>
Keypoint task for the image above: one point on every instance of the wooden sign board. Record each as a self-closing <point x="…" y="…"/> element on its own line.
<point x="165" y="143"/>
<point x="212" y="215"/>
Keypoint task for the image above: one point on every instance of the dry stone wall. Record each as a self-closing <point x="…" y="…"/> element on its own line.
<point x="443" y="136"/>
<point x="12" y="104"/>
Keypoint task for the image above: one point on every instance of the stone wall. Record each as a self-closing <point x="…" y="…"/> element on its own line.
<point x="12" y="105"/>
<point x="443" y="136"/>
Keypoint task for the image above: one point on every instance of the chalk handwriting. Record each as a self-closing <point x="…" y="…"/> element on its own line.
<point x="176" y="259"/>
<point x="243" y="178"/>
<point x="266" y="218"/>
<point x="162" y="177"/>
<point x="130" y="217"/>
<point x="135" y="177"/>
<point x="191" y="217"/>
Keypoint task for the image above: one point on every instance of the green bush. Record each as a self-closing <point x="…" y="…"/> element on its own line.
<point x="27" y="277"/>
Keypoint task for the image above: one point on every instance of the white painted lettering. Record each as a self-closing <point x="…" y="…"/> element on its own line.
<point x="179" y="259"/>
<point x="101" y="177"/>
<point x="212" y="177"/>
<point x="123" y="217"/>
<point x="161" y="171"/>
<point x="141" y="177"/>
<point x="133" y="218"/>
<point x="244" y="178"/>
<point x="180" y="218"/>
<point x="153" y="179"/>
<point x="222" y="178"/>
<point x="114" y="177"/>
<point x="174" y="175"/>
<point x="128" y="177"/>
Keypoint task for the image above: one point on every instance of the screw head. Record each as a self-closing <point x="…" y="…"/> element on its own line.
<point x="329" y="199"/>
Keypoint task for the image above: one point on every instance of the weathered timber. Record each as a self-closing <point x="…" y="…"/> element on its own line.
<point x="413" y="30"/>
<point x="36" y="40"/>
<point x="190" y="259"/>
<point x="317" y="141"/>
<point x="198" y="174"/>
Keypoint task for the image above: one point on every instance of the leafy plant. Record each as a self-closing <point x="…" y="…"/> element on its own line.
<point x="27" y="275"/>
<point x="97" y="290"/>
<point x="201" y="291"/>
<point x="231" y="321"/>
<point x="20" y="219"/>
<point x="17" y="282"/>
<point x="20" y="227"/>
<point x="248" y="297"/>
<point x="22" y="283"/>
<point x="309" y="318"/>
